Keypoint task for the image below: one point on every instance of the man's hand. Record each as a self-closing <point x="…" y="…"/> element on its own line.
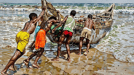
<point x="44" y="8"/>
<point x="53" y="30"/>
<point x="58" y="11"/>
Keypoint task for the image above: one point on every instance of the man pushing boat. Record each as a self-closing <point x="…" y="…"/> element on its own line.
<point x="86" y="33"/>
<point x="22" y="39"/>
<point x="66" y="34"/>
<point x="41" y="41"/>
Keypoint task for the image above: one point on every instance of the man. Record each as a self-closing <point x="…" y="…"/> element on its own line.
<point x="67" y="33"/>
<point x="86" y="33"/>
<point x="32" y="45"/>
<point x="22" y="38"/>
<point x="40" y="41"/>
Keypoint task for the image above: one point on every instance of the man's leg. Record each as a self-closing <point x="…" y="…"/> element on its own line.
<point x="68" y="48"/>
<point x="12" y="67"/>
<point x="80" y="44"/>
<point x="37" y="58"/>
<point x="26" y="61"/>
<point x="32" y="45"/>
<point x="13" y="59"/>
<point x="59" y="47"/>
<point x="88" y="45"/>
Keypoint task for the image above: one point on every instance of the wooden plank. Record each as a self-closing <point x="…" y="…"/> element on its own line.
<point x="45" y="14"/>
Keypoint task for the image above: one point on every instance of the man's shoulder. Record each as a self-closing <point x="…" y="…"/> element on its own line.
<point x="27" y="22"/>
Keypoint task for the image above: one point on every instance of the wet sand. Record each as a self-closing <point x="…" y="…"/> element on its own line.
<point x="95" y="63"/>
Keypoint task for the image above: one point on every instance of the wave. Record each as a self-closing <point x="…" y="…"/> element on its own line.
<point x="119" y="41"/>
<point x="66" y="11"/>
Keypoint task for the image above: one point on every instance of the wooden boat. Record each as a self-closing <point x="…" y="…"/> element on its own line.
<point x="103" y="22"/>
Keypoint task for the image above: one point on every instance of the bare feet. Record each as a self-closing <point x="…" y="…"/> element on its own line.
<point x="79" y="53"/>
<point x="4" y="72"/>
<point x="68" y="59"/>
<point x="55" y="59"/>
<point x="26" y="63"/>
<point x="12" y="68"/>
<point x="86" y="53"/>
<point x="35" y="66"/>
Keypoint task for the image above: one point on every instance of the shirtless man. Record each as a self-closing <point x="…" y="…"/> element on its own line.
<point x="67" y="33"/>
<point x="22" y="38"/>
<point x="86" y="33"/>
<point x="32" y="45"/>
<point x="40" y="41"/>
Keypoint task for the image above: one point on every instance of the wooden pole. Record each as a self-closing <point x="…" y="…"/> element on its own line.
<point x="45" y="14"/>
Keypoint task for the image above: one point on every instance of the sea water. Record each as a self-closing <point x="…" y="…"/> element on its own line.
<point x="119" y="41"/>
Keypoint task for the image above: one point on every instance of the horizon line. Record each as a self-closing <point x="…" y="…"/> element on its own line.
<point x="49" y="2"/>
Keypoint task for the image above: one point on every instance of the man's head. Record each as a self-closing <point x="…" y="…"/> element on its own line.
<point x="73" y="13"/>
<point x="32" y="16"/>
<point x="52" y="17"/>
<point x="90" y="16"/>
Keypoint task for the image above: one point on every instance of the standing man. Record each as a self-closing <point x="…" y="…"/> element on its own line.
<point x="86" y="33"/>
<point x="22" y="39"/>
<point x="67" y="33"/>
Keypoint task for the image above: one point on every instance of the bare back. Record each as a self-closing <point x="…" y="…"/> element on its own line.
<point x="89" y="23"/>
<point x="29" y="27"/>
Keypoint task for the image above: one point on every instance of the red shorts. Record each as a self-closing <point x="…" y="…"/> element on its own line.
<point x="67" y="33"/>
<point x="40" y="39"/>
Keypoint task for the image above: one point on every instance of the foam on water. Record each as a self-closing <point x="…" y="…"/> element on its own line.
<point x="93" y="8"/>
<point x="120" y="41"/>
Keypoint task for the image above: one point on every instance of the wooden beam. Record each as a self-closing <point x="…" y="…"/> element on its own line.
<point x="45" y="14"/>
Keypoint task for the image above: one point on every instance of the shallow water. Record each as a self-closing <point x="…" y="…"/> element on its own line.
<point x="120" y="41"/>
<point x="119" y="44"/>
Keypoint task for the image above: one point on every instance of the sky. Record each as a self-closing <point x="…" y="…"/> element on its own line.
<point x="68" y="1"/>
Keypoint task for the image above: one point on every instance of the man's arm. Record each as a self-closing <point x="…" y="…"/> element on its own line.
<point x="60" y="24"/>
<point x="52" y="21"/>
<point x="39" y="17"/>
<point x="80" y="20"/>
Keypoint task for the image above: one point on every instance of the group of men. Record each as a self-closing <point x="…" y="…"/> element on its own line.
<point x="22" y="37"/>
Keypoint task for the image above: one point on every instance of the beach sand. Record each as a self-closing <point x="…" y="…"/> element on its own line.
<point x="95" y="63"/>
<point x="118" y="43"/>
